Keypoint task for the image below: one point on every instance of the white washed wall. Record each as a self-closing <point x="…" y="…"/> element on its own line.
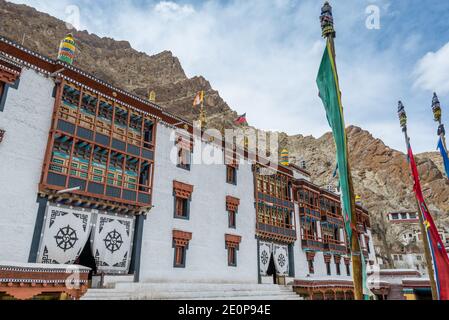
<point x="206" y="257"/>
<point x="26" y="119"/>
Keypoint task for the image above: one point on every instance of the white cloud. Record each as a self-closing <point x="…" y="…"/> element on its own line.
<point x="432" y="71"/>
<point x="172" y="10"/>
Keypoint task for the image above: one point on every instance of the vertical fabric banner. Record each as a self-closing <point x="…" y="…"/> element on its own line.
<point x="439" y="254"/>
<point x="265" y="250"/>
<point x="330" y="95"/>
<point x="280" y="255"/>
<point x="66" y="232"/>
<point x="112" y="243"/>
<point x="444" y="155"/>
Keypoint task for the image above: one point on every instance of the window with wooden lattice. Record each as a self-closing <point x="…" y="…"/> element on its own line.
<point x="310" y="255"/>
<point x="180" y="244"/>
<point x="184" y="155"/>
<point x="2" y="134"/>
<point x="232" y="205"/>
<point x="231" y="175"/>
<point x="232" y="245"/>
<point x="232" y="219"/>
<point x="348" y="266"/>
<point x="182" y="194"/>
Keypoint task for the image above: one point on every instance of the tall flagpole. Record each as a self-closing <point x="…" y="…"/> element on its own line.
<point x="436" y="109"/>
<point x="329" y="33"/>
<point x="403" y="122"/>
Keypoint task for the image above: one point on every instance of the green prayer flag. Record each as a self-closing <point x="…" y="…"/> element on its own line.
<point x="329" y="89"/>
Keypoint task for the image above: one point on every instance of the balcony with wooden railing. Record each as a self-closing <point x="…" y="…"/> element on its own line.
<point x="273" y="229"/>
<point x="311" y="242"/>
<point x="335" y="246"/>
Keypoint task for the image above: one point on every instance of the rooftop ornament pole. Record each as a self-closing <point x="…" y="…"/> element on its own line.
<point x="403" y="123"/>
<point x="328" y="32"/>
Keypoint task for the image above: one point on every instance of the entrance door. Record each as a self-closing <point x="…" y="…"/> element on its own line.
<point x="272" y="269"/>
<point x="87" y="259"/>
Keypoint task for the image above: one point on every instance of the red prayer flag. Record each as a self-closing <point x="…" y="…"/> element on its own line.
<point x="439" y="254"/>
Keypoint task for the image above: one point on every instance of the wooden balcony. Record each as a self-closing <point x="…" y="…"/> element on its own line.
<point x="311" y="243"/>
<point x="285" y="233"/>
<point x="332" y="218"/>
<point x="335" y="246"/>
<point x="308" y="211"/>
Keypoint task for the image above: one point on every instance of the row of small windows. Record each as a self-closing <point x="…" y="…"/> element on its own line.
<point x="182" y="211"/>
<point x="329" y="269"/>
<point x="184" y="158"/>
<point x="180" y="256"/>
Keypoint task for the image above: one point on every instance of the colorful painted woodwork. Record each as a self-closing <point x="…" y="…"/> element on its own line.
<point x="67" y="49"/>
<point x="103" y="147"/>
<point x="274" y="206"/>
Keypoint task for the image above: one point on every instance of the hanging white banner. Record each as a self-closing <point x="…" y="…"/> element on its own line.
<point x="65" y="233"/>
<point x="265" y="250"/>
<point x="281" y="259"/>
<point x="112" y="243"/>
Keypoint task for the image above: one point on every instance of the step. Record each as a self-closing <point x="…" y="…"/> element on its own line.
<point x="133" y="287"/>
<point x="192" y="291"/>
<point x="187" y="295"/>
<point x="253" y="297"/>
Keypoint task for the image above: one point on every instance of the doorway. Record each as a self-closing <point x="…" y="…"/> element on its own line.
<point x="86" y="259"/>
<point x="271" y="271"/>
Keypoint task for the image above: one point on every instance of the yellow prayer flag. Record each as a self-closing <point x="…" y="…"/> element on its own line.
<point x="199" y="98"/>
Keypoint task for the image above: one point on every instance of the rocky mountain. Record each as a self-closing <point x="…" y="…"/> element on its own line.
<point x="381" y="174"/>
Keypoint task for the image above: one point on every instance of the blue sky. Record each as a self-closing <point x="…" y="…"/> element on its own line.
<point x="263" y="56"/>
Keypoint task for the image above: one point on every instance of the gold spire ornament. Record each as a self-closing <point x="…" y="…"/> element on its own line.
<point x="152" y="96"/>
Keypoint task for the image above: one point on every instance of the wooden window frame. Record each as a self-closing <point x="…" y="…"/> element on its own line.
<point x="182" y="193"/>
<point x="180" y="256"/>
<point x="185" y="208"/>
<point x="232" y="244"/>
<point x="232" y="257"/>
<point x="311" y="266"/>
<point x="184" y="152"/>
<point x="181" y="241"/>
<point x="231" y="170"/>
<point x="232" y="219"/>
<point x="328" y="268"/>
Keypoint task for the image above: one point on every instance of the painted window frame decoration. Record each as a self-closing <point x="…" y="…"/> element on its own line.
<point x="184" y="145"/>
<point x="231" y="175"/>
<point x="310" y="255"/>
<point x="348" y="266"/>
<point x="181" y="241"/>
<point x="182" y="193"/>
<point x="337" y="260"/>
<point x="327" y="261"/>
<point x="232" y="205"/>
<point x="232" y="245"/>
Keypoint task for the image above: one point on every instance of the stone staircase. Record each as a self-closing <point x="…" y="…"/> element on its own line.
<point x="192" y="291"/>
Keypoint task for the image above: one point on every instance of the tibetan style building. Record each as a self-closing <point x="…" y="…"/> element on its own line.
<point x="94" y="176"/>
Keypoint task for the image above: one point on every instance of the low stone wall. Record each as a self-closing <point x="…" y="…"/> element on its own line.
<point x="26" y="281"/>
